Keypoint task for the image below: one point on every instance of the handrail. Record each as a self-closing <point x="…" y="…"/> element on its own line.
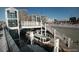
<point x="30" y="23"/>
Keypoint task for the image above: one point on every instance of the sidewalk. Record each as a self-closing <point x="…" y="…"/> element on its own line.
<point x="3" y="42"/>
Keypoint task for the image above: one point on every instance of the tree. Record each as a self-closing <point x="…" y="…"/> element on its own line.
<point x="72" y="20"/>
<point x="55" y="20"/>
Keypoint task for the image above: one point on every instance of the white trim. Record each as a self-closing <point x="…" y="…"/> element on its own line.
<point x="13" y="27"/>
<point x="30" y="27"/>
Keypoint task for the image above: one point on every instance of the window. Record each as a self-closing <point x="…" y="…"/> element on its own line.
<point x="11" y="14"/>
<point x="12" y="23"/>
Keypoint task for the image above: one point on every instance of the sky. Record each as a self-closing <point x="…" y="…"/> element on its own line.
<point x="59" y="13"/>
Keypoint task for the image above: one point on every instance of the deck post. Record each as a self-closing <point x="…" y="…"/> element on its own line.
<point x="31" y="37"/>
<point x="56" y="42"/>
<point x="54" y="34"/>
<point x="37" y="32"/>
<point x="45" y="29"/>
<point x="19" y="34"/>
<point x="36" y="19"/>
<point x="56" y="45"/>
<point x="69" y="42"/>
<point x="41" y="27"/>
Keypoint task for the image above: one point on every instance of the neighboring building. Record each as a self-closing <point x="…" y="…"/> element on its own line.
<point x="62" y="22"/>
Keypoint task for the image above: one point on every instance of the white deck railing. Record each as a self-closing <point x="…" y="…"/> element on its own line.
<point x="30" y="23"/>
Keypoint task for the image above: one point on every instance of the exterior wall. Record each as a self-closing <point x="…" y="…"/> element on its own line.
<point x="12" y="18"/>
